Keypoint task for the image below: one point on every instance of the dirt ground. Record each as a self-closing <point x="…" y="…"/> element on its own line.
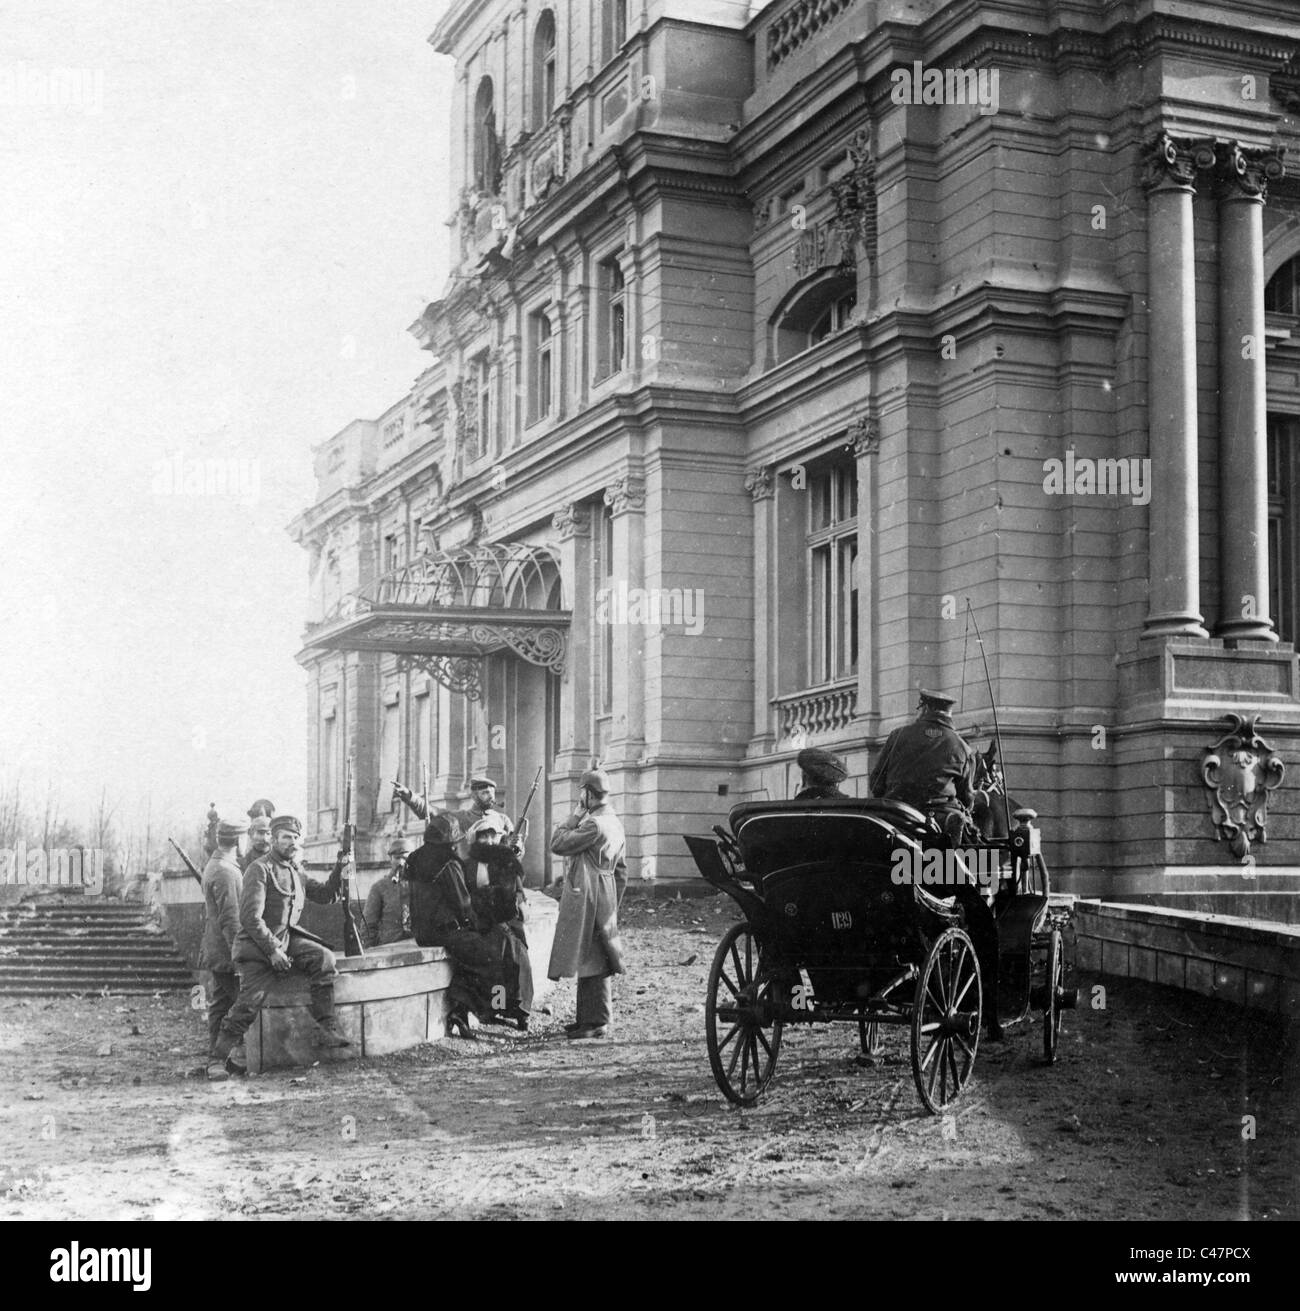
<point x="1142" y="1118"/>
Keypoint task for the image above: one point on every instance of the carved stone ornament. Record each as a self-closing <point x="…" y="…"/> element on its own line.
<point x="572" y="520"/>
<point x="759" y="482"/>
<point x="626" y="494"/>
<point x="855" y="202"/>
<point x="1174" y="161"/>
<point x="1239" y="771"/>
<point x="1246" y="172"/>
<point x="863" y="438"/>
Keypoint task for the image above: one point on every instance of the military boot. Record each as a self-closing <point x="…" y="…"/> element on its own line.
<point x="328" y="1035"/>
<point x="217" y="1071"/>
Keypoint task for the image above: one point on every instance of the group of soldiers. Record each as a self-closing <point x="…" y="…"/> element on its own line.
<point x="461" y="889"/>
<point x="927" y="765"/>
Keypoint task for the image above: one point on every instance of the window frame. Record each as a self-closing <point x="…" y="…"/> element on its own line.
<point x="546" y="63"/>
<point x="543" y="386"/>
<point x="833" y="651"/>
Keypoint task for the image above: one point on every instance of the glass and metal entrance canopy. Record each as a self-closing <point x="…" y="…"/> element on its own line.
<point x="445" y="611"/>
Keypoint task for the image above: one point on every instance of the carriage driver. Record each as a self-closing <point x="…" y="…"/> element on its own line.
<point x="927" y="765"/>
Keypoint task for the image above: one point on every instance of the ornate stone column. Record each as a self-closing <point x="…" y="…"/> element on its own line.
<point x="572" y="525"/>
<point x="626" y="501"/>
<point x="1243" y="439"/>
<point x="761" y="485"/>
<point x="1171" y="389"/>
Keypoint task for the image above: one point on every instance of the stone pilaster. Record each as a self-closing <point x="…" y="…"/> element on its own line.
<point x="761" y="485"/>
<point x="626" y="501"/>
<point x="572" y="526"/>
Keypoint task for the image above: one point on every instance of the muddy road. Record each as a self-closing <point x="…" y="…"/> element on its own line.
<point x="105" y="1115"/>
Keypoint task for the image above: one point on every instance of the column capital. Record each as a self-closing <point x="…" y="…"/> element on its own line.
<point x="864" y="437"/>
<point x="626" y="495"/>
<point x="1244" y="174"/>
<point x="1173" y="162"/>
<point x="759" y="483"/>
<point x="572" y="520"/>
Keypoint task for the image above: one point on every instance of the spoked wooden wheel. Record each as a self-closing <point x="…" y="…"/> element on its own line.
<point x="1053" y="984"/>
<point x="946" y="1020"/>
<point x="740" y="1010"/>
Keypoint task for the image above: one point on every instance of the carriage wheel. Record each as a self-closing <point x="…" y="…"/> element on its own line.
<point x="743" y="1035"/>
<point x="870" y="1037"/>
<point x="946" y="1020"/>
<point x="1054" y="983"/>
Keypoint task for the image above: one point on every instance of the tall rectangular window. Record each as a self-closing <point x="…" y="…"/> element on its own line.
<point x="392" y="553"/>
<point x="1283" y="539"/>
<point x="327" y="770"/>
<point x="483" y="402"/>
<point x="390" y="744"/>
<point x="613" y="28"/>
<point x="611" y="318"/>
<point x="541" y="366"/>
<point x="832" y="543"/>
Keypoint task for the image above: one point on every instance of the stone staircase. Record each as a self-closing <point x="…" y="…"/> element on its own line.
<point x="86" y="945"/>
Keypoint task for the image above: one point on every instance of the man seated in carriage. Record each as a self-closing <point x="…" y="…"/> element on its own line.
<point x="822" y="772"/>
<point x="928" y="765"/>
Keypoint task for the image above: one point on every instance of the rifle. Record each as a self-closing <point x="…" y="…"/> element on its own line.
<point x="424" y="775"/>
<point x="521" y="828"/>
<point x="351" y="938"/>
<point x="189" y="864"/>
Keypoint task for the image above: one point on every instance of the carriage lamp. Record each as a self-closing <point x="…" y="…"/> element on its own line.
<point x="1026" y="840"/>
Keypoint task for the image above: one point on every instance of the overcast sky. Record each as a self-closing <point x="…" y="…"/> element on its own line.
<point x="212" y="251"/>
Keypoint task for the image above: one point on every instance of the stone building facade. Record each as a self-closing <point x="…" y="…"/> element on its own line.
<point x="783" y="343"/>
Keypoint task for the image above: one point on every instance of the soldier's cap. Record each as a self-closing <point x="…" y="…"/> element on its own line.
<point x="260" y="824"/>
<point x="400" y="847"/>
<point x="822" y="766"/>
<point x="442" y="827"/>
<point x="230" y="832"/>
<point x="939" y="700"/>
<point x="261" y="807"/>
<point x="482" y="781"/>
<point x="596" y="780"/>
<point x="287" y="824"/>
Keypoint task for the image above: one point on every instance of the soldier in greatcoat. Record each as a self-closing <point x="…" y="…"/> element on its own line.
<point x="270" y="943"/>
<point x="221" y="883"/>
<point x="586" y="933"/>
<point x="929" y="766"/>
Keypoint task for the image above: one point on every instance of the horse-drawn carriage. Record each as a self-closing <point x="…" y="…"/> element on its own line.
<point x="849" y="916"/>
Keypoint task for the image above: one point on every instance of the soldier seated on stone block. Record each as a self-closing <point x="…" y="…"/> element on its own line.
<point x="270" y="943"/>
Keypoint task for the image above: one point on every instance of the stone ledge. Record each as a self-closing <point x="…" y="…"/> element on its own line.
<point x="1253" y="963"/>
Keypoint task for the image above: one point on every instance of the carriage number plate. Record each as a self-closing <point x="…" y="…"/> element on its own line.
<point x="841" y="919"/>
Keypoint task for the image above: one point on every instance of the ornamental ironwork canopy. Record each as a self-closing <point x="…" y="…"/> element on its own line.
<point x="444" y="611"/>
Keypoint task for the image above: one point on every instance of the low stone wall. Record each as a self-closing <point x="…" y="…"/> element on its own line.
<point x="1250" y="962"/>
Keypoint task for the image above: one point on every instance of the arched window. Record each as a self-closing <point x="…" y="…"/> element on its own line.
<point x="544" y="77"/>
<point x="815" y="314"/>
<point x="487" y="153"/>
<point x="1282" y="295"/>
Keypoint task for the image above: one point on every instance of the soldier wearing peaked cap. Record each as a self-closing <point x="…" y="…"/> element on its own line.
<point x="221" y="879"/>
<point x="270" y="943"/>
<point x="387" y="912"/>
<point x="930" y="767"/>
<point x="822" y="771"/>
<point x="586" y="942"/>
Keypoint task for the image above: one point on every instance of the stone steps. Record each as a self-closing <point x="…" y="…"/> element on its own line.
<point x="82" y="946"/>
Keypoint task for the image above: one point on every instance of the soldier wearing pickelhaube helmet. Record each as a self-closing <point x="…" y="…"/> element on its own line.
<point x="929" y="766"/>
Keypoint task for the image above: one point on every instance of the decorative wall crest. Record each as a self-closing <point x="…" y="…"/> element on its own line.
<point x="863" y="437"/>
<point x="855" y="201"/>
<point x="1239" y="771"/>
<point x="759" y="482"/>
